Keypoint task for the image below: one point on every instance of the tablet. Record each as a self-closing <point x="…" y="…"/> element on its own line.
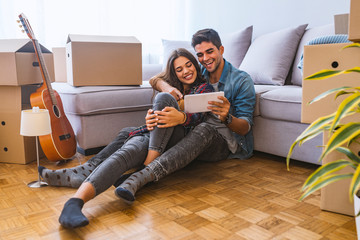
<point x="194" y="103"/>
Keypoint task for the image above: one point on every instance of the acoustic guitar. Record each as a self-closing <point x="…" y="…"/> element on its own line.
<point x="61" y="143"/>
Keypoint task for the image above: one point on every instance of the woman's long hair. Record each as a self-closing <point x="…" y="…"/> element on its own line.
<point x="169" y="75"/>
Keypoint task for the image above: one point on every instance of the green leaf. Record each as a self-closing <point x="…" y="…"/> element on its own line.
<point x="343" y="135"/>
<point x="340" y="93"/>
<point x="355" y="183"/>
<point x="325" y="170"/>
<point x="352" y="156"/>
<point x="352" y="45"/>
<point x="318" y="126"/>
<point x="345" y="106"/>
<point x="326" y="73"/>
<point x="355" y="69"/>
<point x="328" y="92"/>
<point x="322" y="182"/>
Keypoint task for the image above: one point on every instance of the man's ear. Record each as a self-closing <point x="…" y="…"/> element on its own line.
<point x="221" y="48"/>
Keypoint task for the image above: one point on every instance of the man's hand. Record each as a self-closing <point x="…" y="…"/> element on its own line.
<point x="163" y="86"/>
<point x="169" y="117"/>
<point x="173" y="91"/>
<point x="151" y="119"/>
<point x="220" y="108"/>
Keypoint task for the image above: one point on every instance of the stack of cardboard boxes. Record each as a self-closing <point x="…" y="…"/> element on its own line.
<point x="87" y="60"/>
<point x="334" y="197"/>
<point x="19" y="77"/>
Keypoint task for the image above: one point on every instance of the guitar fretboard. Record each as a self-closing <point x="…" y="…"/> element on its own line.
<point x="44" y="71"/>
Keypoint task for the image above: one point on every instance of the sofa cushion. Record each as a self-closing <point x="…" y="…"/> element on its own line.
<point x="260" y="89"/>
<point x="92" y="100"/>
<point x="235" y="44"/>
<point x="296" y="76"/>
<point x="271" y="55"/>
<point x="282" y="104"/>
<point x="150" y="70"/>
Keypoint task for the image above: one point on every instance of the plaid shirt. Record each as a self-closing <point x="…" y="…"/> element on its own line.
<point x="192" y="119"/>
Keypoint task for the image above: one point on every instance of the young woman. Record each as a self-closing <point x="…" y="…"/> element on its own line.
<point x="132" y="147"/>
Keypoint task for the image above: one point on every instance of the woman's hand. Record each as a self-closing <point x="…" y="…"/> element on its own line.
<point x="151" y="119"/>
<point x="169" y="117"/>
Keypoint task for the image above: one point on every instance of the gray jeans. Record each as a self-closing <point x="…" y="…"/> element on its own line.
<point x="203" y="143"/>
<point x="130" y="155"/>
<point x="125" y="153"/>
<point x="161" y="138"/>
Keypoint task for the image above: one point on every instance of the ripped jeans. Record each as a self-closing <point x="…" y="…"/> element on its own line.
<point x="203" y="143"/>
<point x="161" y="138"/>
<point x="122" y="155"/>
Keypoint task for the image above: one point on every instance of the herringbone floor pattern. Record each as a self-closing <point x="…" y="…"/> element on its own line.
<point x="232" y="199"/>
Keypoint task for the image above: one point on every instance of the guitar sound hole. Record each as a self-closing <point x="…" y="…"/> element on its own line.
<point x="3" y="123"/>
<point x="56" y="111"/>
<point x="5" y="149"/>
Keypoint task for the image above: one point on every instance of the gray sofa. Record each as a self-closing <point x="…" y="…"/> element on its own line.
<point x="97" y="113"/>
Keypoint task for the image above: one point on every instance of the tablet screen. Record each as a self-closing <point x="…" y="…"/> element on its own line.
<point x="194" y="103"/>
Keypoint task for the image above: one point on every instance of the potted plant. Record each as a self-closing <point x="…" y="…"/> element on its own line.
<point x="341" y="137"/>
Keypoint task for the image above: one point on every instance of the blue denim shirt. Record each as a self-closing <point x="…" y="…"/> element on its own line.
<point x="239" y="89"/>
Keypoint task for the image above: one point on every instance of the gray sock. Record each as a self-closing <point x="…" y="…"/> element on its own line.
<point x="132" y="184"/>
<point x="68" y="177"/>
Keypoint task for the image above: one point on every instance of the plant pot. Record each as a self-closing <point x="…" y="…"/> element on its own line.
<point x="356" y="210"/>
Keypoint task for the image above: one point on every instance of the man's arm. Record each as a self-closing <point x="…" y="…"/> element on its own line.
<point x="160" y="85"/>
<point x="237" y="125"/>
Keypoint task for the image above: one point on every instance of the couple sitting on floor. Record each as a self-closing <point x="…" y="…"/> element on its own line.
<point x="171" y="138"/>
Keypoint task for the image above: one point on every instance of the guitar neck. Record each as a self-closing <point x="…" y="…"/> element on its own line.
<point x="44" y="72"/>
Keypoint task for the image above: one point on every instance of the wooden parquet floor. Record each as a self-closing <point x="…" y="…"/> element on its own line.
<point x="232" y="199"/>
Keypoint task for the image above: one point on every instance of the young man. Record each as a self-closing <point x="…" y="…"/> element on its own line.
<point x="206" y="141"/>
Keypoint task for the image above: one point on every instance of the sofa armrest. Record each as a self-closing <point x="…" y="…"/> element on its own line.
<point x="150" y="70"/>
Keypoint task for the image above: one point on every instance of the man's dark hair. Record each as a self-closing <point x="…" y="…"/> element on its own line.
<point x="206" y="35"/>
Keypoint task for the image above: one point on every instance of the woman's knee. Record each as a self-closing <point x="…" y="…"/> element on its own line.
<point x="164" y="100"/>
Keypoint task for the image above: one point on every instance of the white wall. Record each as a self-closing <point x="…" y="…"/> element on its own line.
<point x="152" y="20"/>
<point x="265" y="15"/>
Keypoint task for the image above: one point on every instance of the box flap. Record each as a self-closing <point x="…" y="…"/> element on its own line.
<point x="19" y="45"/>
<point x="103" y="39"/>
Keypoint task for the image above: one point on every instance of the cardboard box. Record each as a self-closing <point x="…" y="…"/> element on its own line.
<point x="19" y="64"/>
<point x="60" y="64"/>
<point x="335" y="196"/>
<point x="15" y="148"/>
<point x="341" y="23"/>
<point x="103" y="60"/>
<point x="326" y="56"/>
<point x="354" y="21"/>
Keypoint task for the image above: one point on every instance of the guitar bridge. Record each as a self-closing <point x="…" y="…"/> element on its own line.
<point x="64" y="137"/>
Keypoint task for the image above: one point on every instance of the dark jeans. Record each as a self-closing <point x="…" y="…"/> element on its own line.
<point x="202" y="143"/>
